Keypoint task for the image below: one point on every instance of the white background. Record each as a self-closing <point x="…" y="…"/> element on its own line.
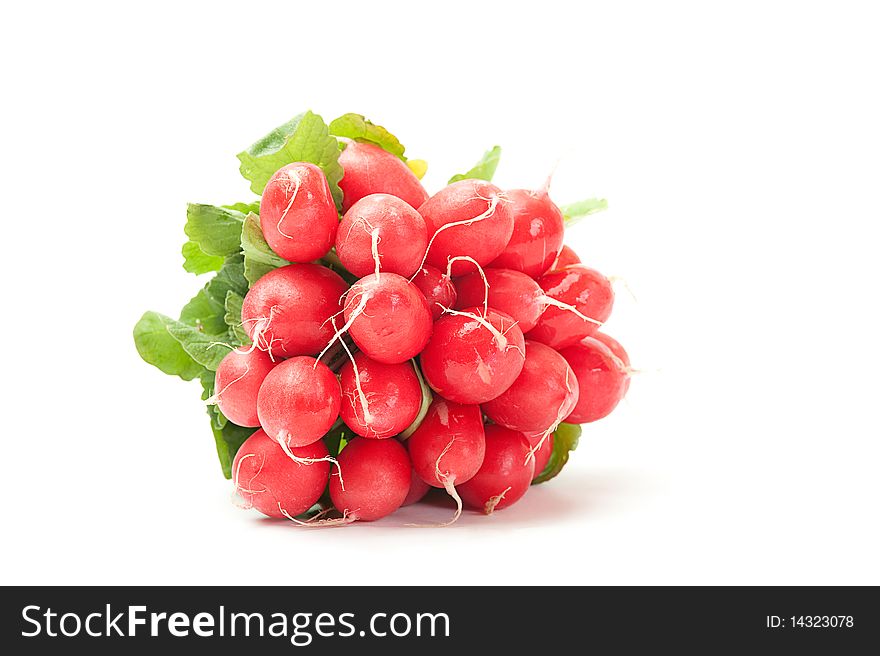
<point x="738" y="148"/>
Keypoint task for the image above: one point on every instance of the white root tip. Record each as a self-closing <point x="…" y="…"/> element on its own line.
<point x="482" y="273"/>
<point x="284" y="440"/>
<point x="315" y="522"/>
<point x="489" y="508"/>
<point x="550" y="301"/>
<point x="291" y="178"/>
<point x="362" y="304"/>
<point x="500" y="338"/>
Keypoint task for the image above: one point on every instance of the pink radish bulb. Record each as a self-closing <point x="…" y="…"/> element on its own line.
<point x="543" y="395"/>
<point x="370" y="170"/>
<point x="473" y="356"/>
<point x="267" y="479"/>
<point x="602" y="378"/>
<point x="566" y="258"/>
<point x="297" y="213"/>
<point x="584" y="290"/>
<point x="237" y="382"/>
<point x="505" y="475"/>
<point x="376" y="476"/>
<point x="286" y="312"/>
<point x="299" y="401"/>
<point x="543" y="452"/>
<point x="437" y="288"/>
<point x="384" y="228"/>
<point x="467" y="218"/>
<point x="379" y="400"/>
<point x="538" y="227"/>
<point x="511" y="292"/>
<point x="618" y="350"/>
<point x="417" y="490"/>
<point x="387" y="317"/>
<point x="448" y="446"/>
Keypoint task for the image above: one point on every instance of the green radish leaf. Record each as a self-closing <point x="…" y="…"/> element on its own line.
<point x="482" y="170"/>
<point x="196" y="261"/>
<point x="159" y="348"/>
<point x="245" y="208"/>
<point x="577" y="211"/>
<point x="207" y="310"/>
<point x="355" y="126"/>
<point x="304" y="138"/>
<point x="232" y="317"/>
<point x="204" y="313"/>
<point x="206" y="349"/>
<point x="215" y="229"/>
<point x="565" y="440"/>
<point x="259" y="258"/>
<point x="218" y="419"/>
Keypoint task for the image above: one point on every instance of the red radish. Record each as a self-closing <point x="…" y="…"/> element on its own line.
<point x="377" y="479"/>
<point x="538" y="227"/>
<point x="505" y="475"/>
<point x="387" y="317"/>
<point x="511" y="292"/>
<point x="286" y="311"/>
<point x="544" y="394"/>
<point x="237" y="382"/>
<point x="618" y="350"/>
<point x="469" y="218"/>
<point x="381" y="231"/>
<point x="370" y="170"/>
<point x="417" y="490"/>
<point x="437" y="289"/>
<point x="298" y="401"/>
<point x="379" y="400"/>
<point x="584" y="297"/>
<point x="447" y="449"/>
<point x="266" y="479"/>
<point x="297" y="213"/>
<point x="543" y="452"/>
<point x="473" y="355"/>
<point x="566" y="258"/>
<point x="601" y="378"/>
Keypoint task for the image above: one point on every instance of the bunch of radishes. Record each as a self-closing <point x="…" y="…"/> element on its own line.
<point x="417" y="341"/>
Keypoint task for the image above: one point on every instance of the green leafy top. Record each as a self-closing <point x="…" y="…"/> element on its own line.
<point x="304" y="138"/>
<point x="576" y="211"/>
<point x="355" y="126"/>
<point x="565" y="440"/>
<point x="482" y="170"/>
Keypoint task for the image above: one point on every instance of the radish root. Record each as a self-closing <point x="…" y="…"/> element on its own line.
<point x="490" y="211"/>
<point x="481" y="272"/>
<point x="561" y="414"/>
<point x="500" y="338"/>
<point x="549" y="301"/>
<point x="314" y="522"/>
<point x="291" y="178"/>
<point x="489" y="508"/>
<point x="215" y="397"/>
<point x="284" y="440"/>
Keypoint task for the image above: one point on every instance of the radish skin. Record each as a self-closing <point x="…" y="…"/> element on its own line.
<point x="467" y="363"/>
<point x="437" y="288"/>
<point x="377" y="479"/>
<point x="286" y="312"/>
<point x="384" y="224"/>
<point x="297" y="213"/>
<point x="370" y="170"/>
<point x="298" y="401"/>
<point x="542" y="396"/>
<point x="585" y="297"/>
<point x="387" y="317"/>
<point x="505" y="475"/>
<point x="236" y="385"/>
<point x="602" y="379"/>
<point x="267" y="480"/>
<point x="467" y="218"/>
<point x="538" y="228"/>
<point x="379" y="400"/>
